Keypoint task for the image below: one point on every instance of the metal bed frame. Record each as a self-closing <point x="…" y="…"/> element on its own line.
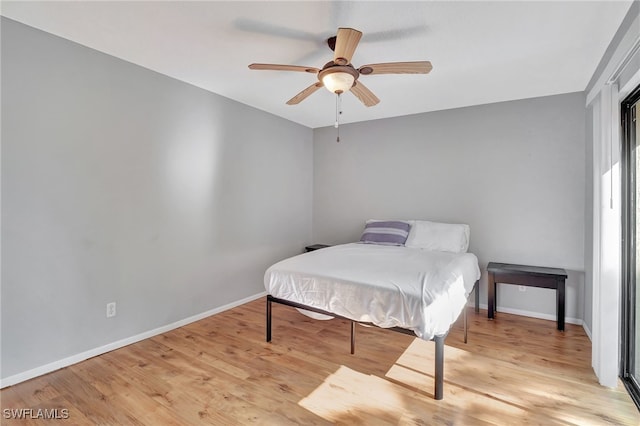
<point x="439" y="340"/>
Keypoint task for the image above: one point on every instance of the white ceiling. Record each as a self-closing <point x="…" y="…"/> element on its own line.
<point x="482" y="52"/>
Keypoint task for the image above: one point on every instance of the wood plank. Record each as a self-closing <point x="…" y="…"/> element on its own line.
<point x="220" y="370"/>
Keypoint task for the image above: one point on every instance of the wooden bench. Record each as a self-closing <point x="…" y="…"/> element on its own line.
<point x="533" y="276"/>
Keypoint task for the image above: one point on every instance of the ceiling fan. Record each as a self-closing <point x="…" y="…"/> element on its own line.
<point x="340" y="76"/>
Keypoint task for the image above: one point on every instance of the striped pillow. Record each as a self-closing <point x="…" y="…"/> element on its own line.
<point x="388" y="232"/>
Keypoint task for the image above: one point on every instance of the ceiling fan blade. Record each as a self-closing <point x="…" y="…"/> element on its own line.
<point x="304" y="94"/>
<point x="365" y="95"/>
<point x="278" y="67"/>
<point x="347" y="40"/>
<point x="418" y="67"/>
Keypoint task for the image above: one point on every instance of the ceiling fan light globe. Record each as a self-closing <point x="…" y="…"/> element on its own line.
<point x="338" y="82"/>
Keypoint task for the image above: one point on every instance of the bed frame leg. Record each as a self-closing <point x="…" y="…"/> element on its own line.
<point x="476" y="290"/>
<point x="439" y="367"/>
<point x="353" y="337"/>
<point x="268" y="318"/>
<point x="466" y="326"/>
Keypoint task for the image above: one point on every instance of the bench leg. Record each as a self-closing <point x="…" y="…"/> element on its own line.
<point x="491" y="291"/>
<point x="560" y="309"/>
<point x="268" y="319"/>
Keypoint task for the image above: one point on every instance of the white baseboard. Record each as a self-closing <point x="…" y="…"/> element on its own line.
<point x="539" y="315"/>
<point x="65" y="362"/>
<point x="587" y="330"/>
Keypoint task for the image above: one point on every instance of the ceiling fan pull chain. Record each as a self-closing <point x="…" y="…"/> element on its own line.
<point x="337" y="123"/>
<point x="338" y="114"/>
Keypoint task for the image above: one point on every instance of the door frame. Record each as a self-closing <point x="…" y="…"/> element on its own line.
<point x="628" y="290"/>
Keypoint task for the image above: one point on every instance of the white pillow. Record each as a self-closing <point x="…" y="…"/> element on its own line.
<point x="438" y="236"/>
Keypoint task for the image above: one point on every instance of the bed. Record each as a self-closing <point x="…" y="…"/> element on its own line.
<point x="407" y="288"/>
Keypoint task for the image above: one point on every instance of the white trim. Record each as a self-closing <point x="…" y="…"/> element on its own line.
<point x="630" y="85"/>
<point x="635" y="48"/>
<point x="595" y="254"/>
<point x="625" y="48"/>
<point x="587" y="330"/>
<point x="539" y="315"/>
<point x="65" y="362"/>
<point x="606" y="286"/>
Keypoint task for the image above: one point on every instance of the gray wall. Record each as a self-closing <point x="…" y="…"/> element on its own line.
<point x="514" y="171"/>
<point x="121" y="184"/>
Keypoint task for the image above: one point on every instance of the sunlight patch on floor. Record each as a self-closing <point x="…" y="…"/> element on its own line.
<point x="405" y="394"/>
<point x="502" y="391"/>
<point x="415" y="369"/>
<point x="349" y="395"/>
<point x="477" y="390"/>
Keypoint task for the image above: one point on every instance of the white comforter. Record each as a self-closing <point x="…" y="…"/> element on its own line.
<point x="421" y="290"/>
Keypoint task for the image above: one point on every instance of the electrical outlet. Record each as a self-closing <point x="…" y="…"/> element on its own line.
<point x="520" y="287"/>
<point x="111" y="309"/>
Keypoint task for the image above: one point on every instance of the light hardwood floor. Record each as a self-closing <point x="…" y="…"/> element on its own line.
<point x="219" y="370"/>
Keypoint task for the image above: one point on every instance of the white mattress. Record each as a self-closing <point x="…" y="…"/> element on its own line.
<point x="421" y="290"/>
